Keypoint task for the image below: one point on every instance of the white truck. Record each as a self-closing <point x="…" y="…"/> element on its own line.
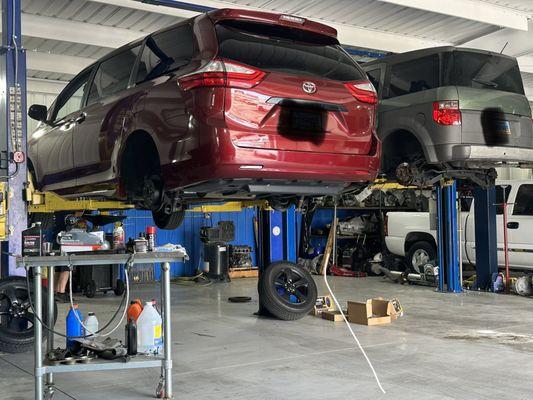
<point x="409" y="234"/>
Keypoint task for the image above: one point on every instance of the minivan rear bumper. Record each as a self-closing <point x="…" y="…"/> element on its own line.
<point x="486" y="155"/>
<point x="252" y="165"/>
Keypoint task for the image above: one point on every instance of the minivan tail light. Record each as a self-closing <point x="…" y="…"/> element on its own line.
<point x="447" y="112"/>
<point x="363" y="91"/>
<point x="223" y="73"/>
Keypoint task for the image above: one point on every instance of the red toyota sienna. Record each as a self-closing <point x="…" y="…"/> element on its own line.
<point x="227" y="105"/>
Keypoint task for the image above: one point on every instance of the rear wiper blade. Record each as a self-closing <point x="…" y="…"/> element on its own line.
<point x="486" y="83"/>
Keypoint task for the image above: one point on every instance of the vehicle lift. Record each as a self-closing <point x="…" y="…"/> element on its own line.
<point x="449" y="243"/>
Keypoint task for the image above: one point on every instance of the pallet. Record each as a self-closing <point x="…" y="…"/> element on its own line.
<point x="236" y="273"/>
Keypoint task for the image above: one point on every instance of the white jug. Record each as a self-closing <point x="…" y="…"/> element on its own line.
<point x="91" y="325"/>
<point x="149" y="330"/>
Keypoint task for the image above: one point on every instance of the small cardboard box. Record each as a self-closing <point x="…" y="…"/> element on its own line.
<point x="372" y="312"/>
<point x="334" y="315"/>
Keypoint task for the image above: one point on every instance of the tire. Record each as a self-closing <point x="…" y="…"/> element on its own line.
<point x="119" y="288"/>
<point x="20" y="339"/>
<point x="168" y="221"/>
<point x="90" y="289"/>
<point x="419" y="254"/>
<point x="291" y="304"/>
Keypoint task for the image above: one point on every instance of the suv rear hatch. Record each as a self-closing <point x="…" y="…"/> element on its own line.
<point x="304" y="93"/>
<point x="495" y="111"/>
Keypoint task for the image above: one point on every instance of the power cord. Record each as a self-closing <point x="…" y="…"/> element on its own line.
<point x="50" y="329"/>
<point x="344" y="316"/>
<point x="129" y="263"/>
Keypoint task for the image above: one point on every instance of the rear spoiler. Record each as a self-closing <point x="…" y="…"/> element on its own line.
<point x="273" y="19"/>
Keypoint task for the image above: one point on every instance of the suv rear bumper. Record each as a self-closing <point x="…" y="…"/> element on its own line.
<point x="485" y="155"/>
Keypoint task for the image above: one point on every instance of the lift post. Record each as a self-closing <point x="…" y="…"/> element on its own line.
<point x="277" y="236"/>
<point x="486" y="241"/>
<point x="447" y="239"/>
<point x="13" y="121"/>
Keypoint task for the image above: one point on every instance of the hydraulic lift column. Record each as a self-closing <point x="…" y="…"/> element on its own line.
<point x="447" y="240"/>
<point x="13" y="131"/>
<point x="486" y="241"/>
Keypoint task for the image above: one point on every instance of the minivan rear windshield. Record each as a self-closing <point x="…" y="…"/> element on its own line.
<point x="282" y="49"/>
<point x="485" y="71"/>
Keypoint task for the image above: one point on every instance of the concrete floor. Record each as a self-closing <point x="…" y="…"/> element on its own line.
<point x="447" y="346"/>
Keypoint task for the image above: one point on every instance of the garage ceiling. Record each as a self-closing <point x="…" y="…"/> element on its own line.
<point x="63" y="36"/>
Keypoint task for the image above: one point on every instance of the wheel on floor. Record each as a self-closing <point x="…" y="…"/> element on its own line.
<point x="286" y="290"/>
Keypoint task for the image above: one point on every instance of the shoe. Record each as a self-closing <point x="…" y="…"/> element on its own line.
<point x="62" y="297"/>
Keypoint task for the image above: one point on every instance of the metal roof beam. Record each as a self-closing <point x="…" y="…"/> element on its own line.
<point x="56" y="63"/>
<point x="479" y="11"/>
<point x="47" y="86"/>
<point x="349" y="34"/>
<point x="516" y="43"/>
<point x="138" y="5"/>
<point x="77" y="32"/>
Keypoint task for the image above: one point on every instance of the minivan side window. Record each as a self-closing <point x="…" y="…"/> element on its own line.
<point x="165" y="52"/>
<point x="70" y="100"/>
<point x="113" y="74"/>
<point x="524" y="201"/>
<point x="374" y="76"/>
<point x="414" y="76"/>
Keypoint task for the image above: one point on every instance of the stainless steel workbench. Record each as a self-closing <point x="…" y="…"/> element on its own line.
<point x="45" y="372"/>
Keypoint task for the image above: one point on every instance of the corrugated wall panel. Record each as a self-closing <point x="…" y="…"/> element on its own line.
<point x="188" y="234"/>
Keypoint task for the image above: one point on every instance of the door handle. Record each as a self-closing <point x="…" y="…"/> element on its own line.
<point x="80" y="118"/>
<point x="512" y="225"/>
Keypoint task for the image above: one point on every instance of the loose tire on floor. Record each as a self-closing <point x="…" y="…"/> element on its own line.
<point x="17" y="333"/>
<point x="287" y="291"/>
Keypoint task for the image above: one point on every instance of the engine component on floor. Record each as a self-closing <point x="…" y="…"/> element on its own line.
<point x="523" y="285"/>
<point x="429" y="277"/>
<point x="240" y="256"/>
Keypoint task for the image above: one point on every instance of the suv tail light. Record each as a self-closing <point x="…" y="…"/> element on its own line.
<point x="223" y="73"/>
<point x="447" y="112"/>
<point x="363" y="91"/>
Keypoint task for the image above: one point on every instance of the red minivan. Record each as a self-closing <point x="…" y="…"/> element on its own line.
<point x="227" y="105"/>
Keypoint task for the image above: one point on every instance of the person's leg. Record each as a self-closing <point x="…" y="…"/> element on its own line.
<point x="56" y="280"/>
<point x="62" y="281"/>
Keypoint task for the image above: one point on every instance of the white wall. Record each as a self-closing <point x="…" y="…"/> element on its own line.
<point x="41" y="91"/>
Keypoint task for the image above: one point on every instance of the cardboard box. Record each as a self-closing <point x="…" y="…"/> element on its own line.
<point x="334" y="315"/>
<point x="372" y="312"/>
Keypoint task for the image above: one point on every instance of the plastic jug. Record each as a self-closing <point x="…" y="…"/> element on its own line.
<point x="134" y="310"/>
<point x="74" y="327"/>
<point x="149" y="330"/>
<point x="91" y="325"/>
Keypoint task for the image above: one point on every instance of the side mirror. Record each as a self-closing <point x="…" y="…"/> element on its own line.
<point x="38" y="112"/>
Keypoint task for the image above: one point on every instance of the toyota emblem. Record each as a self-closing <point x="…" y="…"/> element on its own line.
<point x="309" y="87"/>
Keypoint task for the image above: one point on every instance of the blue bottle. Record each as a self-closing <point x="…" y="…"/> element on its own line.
<point x="74" y="327"/>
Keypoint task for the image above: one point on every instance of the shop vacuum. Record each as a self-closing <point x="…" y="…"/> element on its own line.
<point x="216" y="250"/>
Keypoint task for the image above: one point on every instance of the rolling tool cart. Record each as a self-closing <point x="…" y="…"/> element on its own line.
<point x="44" y="383"/>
